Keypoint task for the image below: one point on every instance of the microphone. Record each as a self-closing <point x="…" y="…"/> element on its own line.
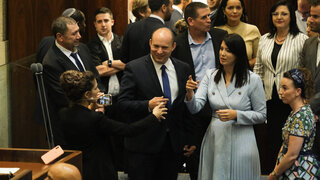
<point x="37" y="69"/>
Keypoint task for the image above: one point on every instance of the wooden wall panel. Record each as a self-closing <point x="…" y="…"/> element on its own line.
<point x="28" y="22"/>
<point x="258" y="13"/>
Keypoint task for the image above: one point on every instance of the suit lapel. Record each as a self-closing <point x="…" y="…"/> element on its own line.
<point x="180" y="80"/>
<point x="154" y="80"/>
<point x="104" y="52"/>
<point x="63" y="59"/>
<point x="269" y="60"/>
<point x="223" y="91"/>
<point x="84" y="58"/>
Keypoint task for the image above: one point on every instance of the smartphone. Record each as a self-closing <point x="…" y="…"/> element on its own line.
<point x="52" y="154"/>
<point x="105" y="100"/>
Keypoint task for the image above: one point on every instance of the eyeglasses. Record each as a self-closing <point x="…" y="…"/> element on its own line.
<point x="283" y="14"/>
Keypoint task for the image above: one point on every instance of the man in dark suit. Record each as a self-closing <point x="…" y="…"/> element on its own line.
<point x="145" y="84"/>
<point x="199" y="47"/>
<point x="310" y="58"/>
<point x="136" y="38"/>
<point x="213" y="5"/>
<point x="47" y="42"/>
<point x="177" y="14"/>
<point x="67" y="53"/>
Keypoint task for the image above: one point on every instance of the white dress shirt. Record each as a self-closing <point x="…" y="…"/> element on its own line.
<point x="114" y="85"/>
<point x="68" y="54"/>
<point x="172" y="75"/>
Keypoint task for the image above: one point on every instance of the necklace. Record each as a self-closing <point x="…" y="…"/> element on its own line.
<point x="280" y="40"/>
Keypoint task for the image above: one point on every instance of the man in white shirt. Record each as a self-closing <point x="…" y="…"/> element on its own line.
<point x="302" y="14"/>
<point x="136" y="38"/>
<point x="67" y="53"/>
<point x="177" y="14"/>
<point x="148" y="81"/>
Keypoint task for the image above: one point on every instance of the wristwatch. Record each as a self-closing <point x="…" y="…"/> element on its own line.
<point x="109" y="63"/>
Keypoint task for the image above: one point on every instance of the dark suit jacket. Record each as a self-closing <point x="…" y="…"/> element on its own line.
<point x="308" y="60"/>
<point x="140" y="84"/>
<point x="100" y="53"/>
<point x="54" y="64"/>
<point x="136" y="38"/>
<point x="88" y="131"/>
<point x="183" y="53"/>
<point x="43" y="48"/>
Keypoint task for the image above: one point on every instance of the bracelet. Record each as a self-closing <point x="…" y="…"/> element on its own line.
<point x="274" y="173"/>
<point x="109" y="63"/>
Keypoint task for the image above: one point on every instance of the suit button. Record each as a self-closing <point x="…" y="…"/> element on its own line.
<point x="213" y="93"/>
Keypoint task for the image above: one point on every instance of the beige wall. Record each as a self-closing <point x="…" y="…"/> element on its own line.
<point x="4" y="79"/>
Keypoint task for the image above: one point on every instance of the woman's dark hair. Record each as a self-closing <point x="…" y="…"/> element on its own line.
<point x="236" y="45"/>
<point x="293" y="28"/>
<point x="221" y="18"/>
<point x="302" y="78"/>
<point x="76" y="83"/>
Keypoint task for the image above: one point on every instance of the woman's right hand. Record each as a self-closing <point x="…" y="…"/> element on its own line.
<point x="190" y="86"/>
<point x="159" y="111"/>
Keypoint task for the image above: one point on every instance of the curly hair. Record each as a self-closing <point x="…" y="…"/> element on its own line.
<point x="308" y="86"/>
<point x="76" y="83"/>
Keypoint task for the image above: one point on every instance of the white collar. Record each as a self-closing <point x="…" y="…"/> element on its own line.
<point x="157" y="17"/>
<point x="105" y="39"/>
<point x="178" y="9"/>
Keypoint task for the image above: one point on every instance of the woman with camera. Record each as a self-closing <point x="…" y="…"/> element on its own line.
<point x="87" y="129"/>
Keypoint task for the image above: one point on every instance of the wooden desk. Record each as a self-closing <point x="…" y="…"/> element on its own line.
<point x="30" y="159"/>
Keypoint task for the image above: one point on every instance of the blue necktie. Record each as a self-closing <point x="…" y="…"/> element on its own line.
<point x="75" y="57"/>
<point x="166" y="85"/>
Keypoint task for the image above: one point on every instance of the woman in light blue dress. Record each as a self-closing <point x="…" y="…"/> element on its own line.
<point x="236" y="96"/>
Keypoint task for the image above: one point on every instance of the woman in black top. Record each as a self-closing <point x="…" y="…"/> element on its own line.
<point x="86" y="129"/>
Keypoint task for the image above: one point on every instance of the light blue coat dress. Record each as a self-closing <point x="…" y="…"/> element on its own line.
<point x="229" y="150"/>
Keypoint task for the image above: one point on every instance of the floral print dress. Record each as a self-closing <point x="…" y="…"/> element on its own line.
<point x="302" y="124"/>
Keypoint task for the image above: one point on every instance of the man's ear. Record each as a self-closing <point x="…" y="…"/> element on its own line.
<point x="163" y="8"/>
<point x="112" y="22"/>
<point x="150" y="42"/>
<point x="59" y="37"/>
<point x="190" y="20"/>
<point x="174" y="46"/>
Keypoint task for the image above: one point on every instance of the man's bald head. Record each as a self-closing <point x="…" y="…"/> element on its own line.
<point x="161" y="45"/>
<point x="63" y="171"/>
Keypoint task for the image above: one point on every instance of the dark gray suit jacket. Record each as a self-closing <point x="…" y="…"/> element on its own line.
<point x="140" y="84"/>
<point x="309" y="60"/>
<point x="175" y="16"/>
<point x="136" y="38"/>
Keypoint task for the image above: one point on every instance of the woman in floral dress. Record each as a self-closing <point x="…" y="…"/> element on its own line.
<point x="296" y="159"/>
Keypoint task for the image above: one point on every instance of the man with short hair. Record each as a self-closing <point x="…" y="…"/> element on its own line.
<point x="106" y="48"/>
<point x="148" y="81"/>
<point x="63" y="171"/>
<point x="302" y="14"/>
<point x="199" y="47"/>
<point x="310" y="58"/>
<point x="213" y="5"/>
<point x="136" y="38"/>
<point x="67" y="53"/>
<point x="177" y="14"/>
